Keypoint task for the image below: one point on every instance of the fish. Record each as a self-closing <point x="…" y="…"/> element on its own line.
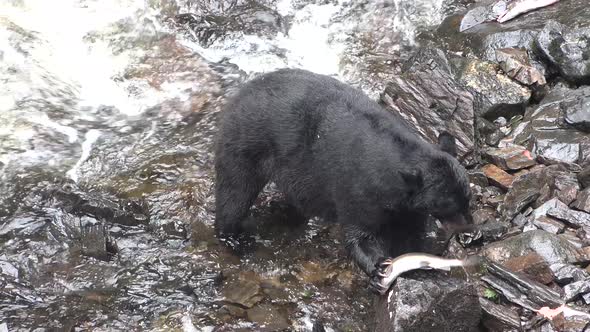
<point x="501" y="11"/>
<point x="392" y="268"/>
<point x="520" y="7"/>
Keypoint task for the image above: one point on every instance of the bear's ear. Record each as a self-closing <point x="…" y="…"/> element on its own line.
<point x="446" y="142"/>
<point x="413" y="179"/>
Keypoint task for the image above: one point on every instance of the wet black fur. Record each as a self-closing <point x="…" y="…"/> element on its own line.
<point x="337" y="154"/>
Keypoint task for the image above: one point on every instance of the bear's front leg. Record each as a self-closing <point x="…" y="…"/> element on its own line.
<point x="368" y="252"/>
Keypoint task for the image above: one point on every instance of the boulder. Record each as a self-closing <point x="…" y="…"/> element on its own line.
<point x="497" y="94"/>
<point x="553" y="38"/>
<point x="428" y="301"/>
<point x="566" y="48"/>
<point x="498" y="177"/>
<point x="546" y="131"/>
<point x="515" y="62"/>
<point x="510" y="158"/>
<point x="551" y="248"/>
<point x="582" y="202"/>
<point x="431" y="100"/>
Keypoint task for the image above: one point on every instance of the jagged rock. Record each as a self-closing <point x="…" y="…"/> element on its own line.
<point x="497" y="176"/>
<point x="483" y="216"/>
<point x="520" y="220"/>
<point x="571" y="237"/>
<point x="549" y="224"/>
<point x="583" y="201"/>
<point x="566" y="47"/>
<point x="492" y="135"/>
<point x="510" y="158"/>
<point x="584" y="177"/>
<point x="431" y="100"/>
<point x="427" y="301"/>
<point x="571" y="167"/>
<point x="497" y="93"/>
<point x="484" y="40"/>
<point x="209" y="22"/>
<point x="533" y="265"/>
<point x="535" y="188"/>
<point x="516" y="64"/>
<point x="546" y="133"/>
<point x="553" y="203"/>
<point x="575" y="289"/>
<point x="551" y="248"/>
<point x="478" y="178"/>
<point x="492" y="230"/>
<point x="575" y="218"/>
<point x="497" y="317"/>
<point x="577" y="111"/>
<point x="572" y="322"/>
<point x="492" y="196"/>
<point x="567" y="273"/>
<point x="517" y="200"/>
<point x="520" y="290"/>
<point x="566" y="187"/>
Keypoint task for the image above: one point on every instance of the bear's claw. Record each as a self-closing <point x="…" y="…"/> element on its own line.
<point x="382" y="270"/>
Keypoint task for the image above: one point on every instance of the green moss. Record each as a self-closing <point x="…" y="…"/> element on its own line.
<point x="490" y="294"/>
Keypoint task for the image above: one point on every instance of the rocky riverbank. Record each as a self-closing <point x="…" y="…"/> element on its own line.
<point x="106" y="165"/>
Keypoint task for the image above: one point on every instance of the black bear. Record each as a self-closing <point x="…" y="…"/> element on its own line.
<point x="338" y="155"/>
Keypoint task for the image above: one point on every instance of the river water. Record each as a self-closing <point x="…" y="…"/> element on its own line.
<point x="108" y="111"/>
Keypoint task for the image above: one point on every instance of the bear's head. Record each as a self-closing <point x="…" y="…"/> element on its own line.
<point x="442" y="186"/>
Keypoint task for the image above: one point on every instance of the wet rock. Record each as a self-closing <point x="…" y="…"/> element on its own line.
<point x="428" y="302"/>
<point x="572" y="322"/>
<point x="533" y="265"/>
<point x="510" y="158"/>
<point x="584" y="177"/>
<point x="521" y="290"/>
<point x="497" y="317"/>
<point x="525" y="190"/>
<point x="477" y="178"/>
<point x="498" y="95"/>
<point x="582" y="202"/>
<point x="431" y="100"/>
<point x="493" y="230"/>
<point x="566" y="48"/>
<point x="485" y="39"/>
<point x="545" y="207"/>
<point x="492" y="135"/>
<point x="551" y="248"/>
<point x="546" y="132"/>
<point x="7" y="268"/>
<point x="572" y="217"/>
<point x="520" y="220"/>
<point x="498" y="177"/>
<point x="245" y="293"/>
<point x="537" y="187"/>
<point x="577" y="112"/>
<point x="483" y="216"/>
<point x="210" y="22"/>
<point x="268" y="317"/>
<point x="567" y="273"/>
<point x="548" y="224"/>
<point x="517" y="65"/>
<point x="234" y="310"/>
<point x="565" y="187"/>
<point x="492" y="196"/>
<point x="571" y="237"/>
<point x="571" y="167"/>
<point x="480" y="14"/>
<point x="575" y="289"/>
